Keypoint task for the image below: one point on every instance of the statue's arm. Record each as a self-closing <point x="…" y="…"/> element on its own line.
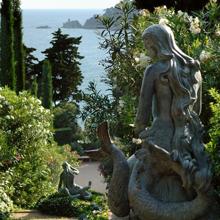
<point x="198" y="104"/>
<point x="76" y="171"/>
<point x="144" y="110"/>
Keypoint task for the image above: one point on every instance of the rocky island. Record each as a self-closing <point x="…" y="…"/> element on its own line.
<point x="43" y="27"/>
<point x="93" y="22"/>
<point x="72" y="24"/>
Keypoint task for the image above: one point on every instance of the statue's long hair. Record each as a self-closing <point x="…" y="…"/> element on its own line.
<point x="185" y="82"/>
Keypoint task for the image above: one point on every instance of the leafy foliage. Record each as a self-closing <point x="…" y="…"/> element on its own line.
<point x="96" y="109"/>
<point x="215" y="120"/>
<point x="62" y="205"/>
<point x="123" y="75"/>
<point x="65" y="123"/>
<point x="213" y="146"/>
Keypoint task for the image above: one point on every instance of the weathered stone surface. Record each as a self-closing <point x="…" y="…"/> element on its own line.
<point x="67" y="183"/>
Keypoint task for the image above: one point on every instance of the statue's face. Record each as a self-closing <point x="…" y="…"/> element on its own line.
<point x="150" y="47"/>
<point x="64" y="165"/>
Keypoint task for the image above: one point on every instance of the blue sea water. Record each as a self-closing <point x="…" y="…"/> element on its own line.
<point x="89" y="47"/>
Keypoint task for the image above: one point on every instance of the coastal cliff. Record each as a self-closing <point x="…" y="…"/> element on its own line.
<point x="93" y="22"/>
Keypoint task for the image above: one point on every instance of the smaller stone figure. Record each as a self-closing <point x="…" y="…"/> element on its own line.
<point x="68" y="186"/>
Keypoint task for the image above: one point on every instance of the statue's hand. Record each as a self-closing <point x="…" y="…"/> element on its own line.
<point x="186" y="161"/>
<point x="188" y="165"/>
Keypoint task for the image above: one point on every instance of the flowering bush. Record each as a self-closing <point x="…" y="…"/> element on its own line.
<point x="6" y="204"/>
<point x="29" y="158"/>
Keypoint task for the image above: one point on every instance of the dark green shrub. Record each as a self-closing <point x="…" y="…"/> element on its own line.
<point x="62" y="205"/>
<point x="67" y="130"/>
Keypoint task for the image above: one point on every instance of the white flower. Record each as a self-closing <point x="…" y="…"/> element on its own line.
<point x="204" y="56"/>
<point x="7" y="117"/>
<point x="195" y="26"/>
<point x="163" y="21"/>
<point x="196" y="20"/>
<point x="144" y="60"/>
<point x="217" y="32"/>
<point x="137" y="59"/>
<point x="180" y="13"/>
<point x="121" y="103"/>
<point x="136" y="140"/>
<point x="195" y="30"/>
<point x="114" y="79"/>
<point x="143" y="12"/>
<point x="185" y="16"/>
<point x="38" y="101"/>
<point x="190" y="18"/>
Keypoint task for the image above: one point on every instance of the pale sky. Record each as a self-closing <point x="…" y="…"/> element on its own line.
<point x="67" y="4"/>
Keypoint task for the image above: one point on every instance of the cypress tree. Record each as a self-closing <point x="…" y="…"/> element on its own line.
<point x="47" y="85"/>
<point x="7" y="76"/>
<point x="18" y="47"/>
<point x="34" y="88"/>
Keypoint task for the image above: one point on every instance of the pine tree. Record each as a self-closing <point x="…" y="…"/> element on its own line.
<point x="64" y="58"/>
<point x="33" y="70"/>
<point x="18" y="47"/>
<point x="47" y="85"/>
<point x="7" y="75"/>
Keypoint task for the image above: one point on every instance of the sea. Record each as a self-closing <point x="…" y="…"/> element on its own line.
<point x="89" y="47"/>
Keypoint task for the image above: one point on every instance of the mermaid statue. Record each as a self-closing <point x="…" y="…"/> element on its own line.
<point x="169" y="178"/>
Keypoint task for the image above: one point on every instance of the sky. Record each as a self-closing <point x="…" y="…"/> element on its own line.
<point x="68" y="4"/>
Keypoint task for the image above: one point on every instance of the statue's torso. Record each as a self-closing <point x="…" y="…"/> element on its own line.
<point x="162" y="129"/>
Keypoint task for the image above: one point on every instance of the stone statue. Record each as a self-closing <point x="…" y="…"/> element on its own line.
<point x="170" y="177"/>
<point x="68" y="186"/>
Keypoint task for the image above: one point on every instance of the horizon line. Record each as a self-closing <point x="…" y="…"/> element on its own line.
<point x="63" y="8"/>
